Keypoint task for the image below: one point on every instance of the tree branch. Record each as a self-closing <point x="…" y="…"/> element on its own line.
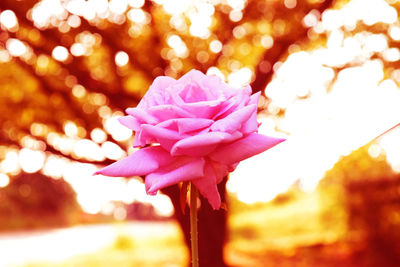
<point x="279" y="49"/>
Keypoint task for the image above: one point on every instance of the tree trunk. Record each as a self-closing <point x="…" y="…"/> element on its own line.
<point x="211" y="226"/>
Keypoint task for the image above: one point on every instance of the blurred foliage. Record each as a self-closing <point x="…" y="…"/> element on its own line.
<point x="352" y="219"/>
<point x="33" y="196"/>
<point x="66" y="71"/>
<point x="293" y="223"/>
<point x="152" y="42"/>
<point x="123" y="242"/>
<point x="370" y="193"/>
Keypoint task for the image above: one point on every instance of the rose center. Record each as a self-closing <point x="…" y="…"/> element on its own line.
<point x="193" y="93"/>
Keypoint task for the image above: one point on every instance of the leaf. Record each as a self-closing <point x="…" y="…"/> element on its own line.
<point x="224" y="206"/>
<point x="183" y="196"/>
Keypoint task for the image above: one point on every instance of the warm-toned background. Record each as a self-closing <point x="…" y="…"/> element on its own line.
<point x="329" y="74"/>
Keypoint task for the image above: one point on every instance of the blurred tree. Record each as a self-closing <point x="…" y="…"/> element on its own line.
<point x="365" y="185"/>
<point x="33" y="196"/>
<point x="68" y="68"/>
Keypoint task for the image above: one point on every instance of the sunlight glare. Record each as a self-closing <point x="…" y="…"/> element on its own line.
<point x="138" y="16"/>
<point x="9" y="20"/>
<point x="88" y="149"/>
<point x="4" y="56"/>
<point x="74" y="21"/>
<point x="116" y="129"/>
<point x="391" y="145"/>
<point x="174" y="6"/>
<point x="78" y="91"/>
<point x="394" y="32"/>
<point x="391" y="54"/>
<point x="180" y="48"/>
<point x="121" y="58"/>
<point x="200" y="25"/>
<point x="77" y="49"/>
<point x="118" y="6"/>
<point x="70" y="129"/>
<point x="98" y="135"/>
<point x="136" y="3"/>
<point x="60" y="53"/>
<point x="267" y="41"/>
<point x="240" y="78"/>
<point x="370" y="12"/>
<point x="4" y="180"/>
<point x="54" y="166"/>
<point x="325" y="125"/>
<point x="162" y="205"/>
<point x="120" y="213"/>
<point x="375" y="150"/>
<point x="31" y="161"/>
<point x="10" y="164"/>
<point x="217" y="72"/>
<point x="215" y="46"/>
<point x="112" y="151"/>
<point x="48" y="11"/>
<point x="16" y="47"/>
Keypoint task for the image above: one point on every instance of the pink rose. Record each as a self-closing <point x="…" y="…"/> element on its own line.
<point x="201" y="127"/>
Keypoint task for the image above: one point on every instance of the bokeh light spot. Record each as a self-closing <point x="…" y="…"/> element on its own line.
<point x="9" y="20"/>
<point x="215" y="46"/>
<point x="30" y="160"/>
<point x="16" y="47"/>
<point x="60" y="53"/>
<point x="4" y="180"/>
<point x="121" y="58"/>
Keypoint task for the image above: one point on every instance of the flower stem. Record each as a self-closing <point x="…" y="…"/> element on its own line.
<point x="193" y="225"/>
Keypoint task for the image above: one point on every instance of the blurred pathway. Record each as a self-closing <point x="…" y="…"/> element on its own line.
<point x="17" y="248"/>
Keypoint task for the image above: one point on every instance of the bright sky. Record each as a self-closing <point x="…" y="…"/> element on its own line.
<point x="360" y="105"/>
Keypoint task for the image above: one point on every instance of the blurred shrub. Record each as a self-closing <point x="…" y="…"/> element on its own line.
<point x="123" y="242"/>
<point x="35" y="201"/>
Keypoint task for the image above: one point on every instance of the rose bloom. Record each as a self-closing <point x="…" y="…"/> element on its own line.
<point x="199" y="129"/>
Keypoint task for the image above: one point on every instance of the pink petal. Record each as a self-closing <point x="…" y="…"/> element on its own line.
<point x="186" y="125"/>
<point x="166" y="137"/>
<point x="244" y="148"/>
<point x="193" y="169"/>
<point x="143" y="138"/>
<point x="232" y="167"/>
<point x="141" y="162"/>
<point x="166" y="112"/>
<point x="198" y="145"/>
<point x="251" y="125"/>
<point x="193" y="92"/>
<point x="235" y="120"/>
<point x="220" y="170"/>
<point x="130" y="122"/>
<point x="210" y="83"/>
<point x="201" y="87"/>
<point x="142" y="115"/>
<point x="154" y="95"/>
<point x="159" y="84"/>
<point x="203" y="109"/>
<point x="233" y="137"/>
<point x="254" y="98"/>
<point x="234" y="102"/>
<point x="207" y="186"/>
<point x="173" y="96"/>
<point x="169" y="124"/>
<point x="192" y="76"/>
<point x="138" y="142"/>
